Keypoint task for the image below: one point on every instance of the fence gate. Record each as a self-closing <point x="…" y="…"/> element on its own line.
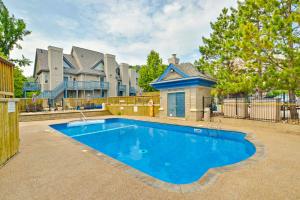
<point x="209" y="102"/>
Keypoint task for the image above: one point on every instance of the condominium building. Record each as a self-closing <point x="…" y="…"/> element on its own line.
<point x="82" y="73"/>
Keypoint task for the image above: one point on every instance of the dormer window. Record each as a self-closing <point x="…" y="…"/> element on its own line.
<point x="99" y="66"/>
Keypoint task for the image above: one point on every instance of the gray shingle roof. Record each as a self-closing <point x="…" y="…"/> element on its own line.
<point x="190" y="70"/>
<point x="86" y="58"/>
<point x="71" y="60"/>
<point x="82" y="61"/>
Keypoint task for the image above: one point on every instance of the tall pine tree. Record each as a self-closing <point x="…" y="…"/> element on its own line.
<point x="255" y="48"/>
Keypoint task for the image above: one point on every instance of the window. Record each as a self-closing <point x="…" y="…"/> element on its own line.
<point x="103" y="93"/>
<point x="67" y="65"/>
<point x="46" y="78"/>
<point x="99" y="66"/>
<point x="118" y="71"/>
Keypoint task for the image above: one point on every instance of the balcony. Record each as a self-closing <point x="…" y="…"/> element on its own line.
<point x="45" y="94"/>
<point x="122" y="88"/>
<point x="104" y="85"/>
<point x="86" y="85"/>
<point x="31" y="86"/>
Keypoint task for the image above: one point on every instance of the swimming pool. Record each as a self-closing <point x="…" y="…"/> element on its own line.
<point x="172" y="153"/>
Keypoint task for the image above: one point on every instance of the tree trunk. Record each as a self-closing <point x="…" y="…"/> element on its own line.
<point x="260" y="93"/>
<point x="292" y="102"/>
<point x="292" y="95"/>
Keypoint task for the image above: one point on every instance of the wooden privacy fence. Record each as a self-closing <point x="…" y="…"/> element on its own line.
<point x="129" y="105"/>
<point x="157" y="93"/>
<point x="134" y="110"/>
<point x="9" y="123"/>
<point x="6" y="79"/>
<point x="128" y="100"/>
<point x="132" y="100"/>
<point x="28" y="105"/>
<point x="74" y="102"/>
<point x="9" y="129"/>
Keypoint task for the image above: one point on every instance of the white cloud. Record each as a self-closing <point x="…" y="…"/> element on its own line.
<point x="130" y="29"/>
<point x="172" y="8"/>
<point x="126" y="20"/>
<point x="67" y="23"/>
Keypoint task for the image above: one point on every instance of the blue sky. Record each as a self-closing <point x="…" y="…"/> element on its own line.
<point x="127" y="29"/>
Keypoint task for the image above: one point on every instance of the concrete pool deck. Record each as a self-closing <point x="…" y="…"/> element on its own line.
<point x="51" y="166"/>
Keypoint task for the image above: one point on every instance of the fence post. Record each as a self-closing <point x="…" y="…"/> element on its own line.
<point x="236" y="107"/>
<point x="283" y="105"/>
<point x="63" y="103"/>
<point x="203" y="104"/>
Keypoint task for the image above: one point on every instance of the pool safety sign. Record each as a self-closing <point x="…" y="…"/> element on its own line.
<point x="11" y="106"/>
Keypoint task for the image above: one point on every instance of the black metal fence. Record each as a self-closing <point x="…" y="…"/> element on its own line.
<point x="263" y="109"/>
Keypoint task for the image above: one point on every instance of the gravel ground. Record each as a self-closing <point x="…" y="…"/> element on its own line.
<point x="51" y="166"/>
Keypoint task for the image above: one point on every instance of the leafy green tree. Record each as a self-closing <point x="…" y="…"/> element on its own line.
<point x="136" y="67"/>
<point x="270" y="43"/>
<point x="12" y="31"/>
<point x="149" y="72"/>
<point x="19" y="79"/>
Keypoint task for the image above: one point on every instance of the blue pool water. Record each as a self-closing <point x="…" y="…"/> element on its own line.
<point x="171" y="153"/>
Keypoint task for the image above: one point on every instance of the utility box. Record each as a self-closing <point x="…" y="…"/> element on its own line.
<point x="206" y="114"/>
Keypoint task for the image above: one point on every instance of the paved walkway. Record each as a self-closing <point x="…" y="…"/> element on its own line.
<point x="51" y="166"/>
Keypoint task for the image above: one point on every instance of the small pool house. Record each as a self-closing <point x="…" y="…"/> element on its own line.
<point x="183" y="89"/>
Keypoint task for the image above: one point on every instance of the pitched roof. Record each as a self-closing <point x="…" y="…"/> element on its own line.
<point x="82" y="61"/>
<point x="186" y="70"/>
<point x="71" y="60"/>
<point x="192" y="71"/>
<point x="86" y="58"/>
